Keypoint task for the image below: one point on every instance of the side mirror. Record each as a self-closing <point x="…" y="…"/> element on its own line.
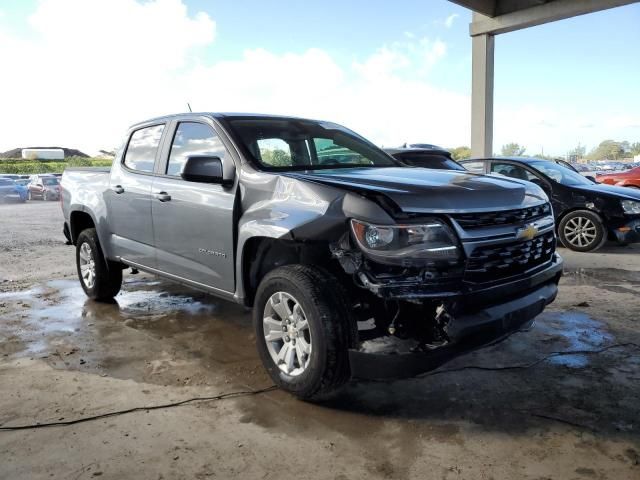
<point x="203" y="169"/>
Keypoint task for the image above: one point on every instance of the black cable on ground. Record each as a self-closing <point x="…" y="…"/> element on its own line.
<point x="273" y="387"/>
<point x="140" y="409"/>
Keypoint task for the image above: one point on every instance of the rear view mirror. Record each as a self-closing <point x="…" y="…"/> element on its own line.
<point x="204" y="169"/>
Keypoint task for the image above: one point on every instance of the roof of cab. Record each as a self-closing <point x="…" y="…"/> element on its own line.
<point x="216" y="115"/>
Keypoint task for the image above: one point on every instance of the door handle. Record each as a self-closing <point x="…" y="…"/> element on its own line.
<point x="163" y="196"/>
<point x="118" y="189"/>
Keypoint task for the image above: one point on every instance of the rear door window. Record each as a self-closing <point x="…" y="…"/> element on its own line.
<point x="142" y="148"/>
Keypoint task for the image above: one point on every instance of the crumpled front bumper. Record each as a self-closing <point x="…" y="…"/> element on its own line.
<point x="527" y="298"/>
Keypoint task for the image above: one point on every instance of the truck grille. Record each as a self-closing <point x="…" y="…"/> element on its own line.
<point x="506" y="217"/>
<point x="495" y="262"/>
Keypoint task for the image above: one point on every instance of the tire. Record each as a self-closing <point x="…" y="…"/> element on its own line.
<point x="45" y="197"/>
<point x="29" y="197"/>
<point x="106" y="278"/>
<point x="328" y="333"/>
<point x="582" y="231"/>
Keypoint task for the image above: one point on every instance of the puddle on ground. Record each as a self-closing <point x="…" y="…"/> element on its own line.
<point x="576" y="331"/>
<point x="159" y="332"/>
<point x="189" y="329"/>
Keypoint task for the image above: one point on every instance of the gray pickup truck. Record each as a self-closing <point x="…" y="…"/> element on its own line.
<point x="355" y="265"/>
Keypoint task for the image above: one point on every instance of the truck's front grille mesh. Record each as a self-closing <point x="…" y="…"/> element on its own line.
<point x="507" y="217"/>
<point x="495" y="262"/>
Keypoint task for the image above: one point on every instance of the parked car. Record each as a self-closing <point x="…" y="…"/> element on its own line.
<point x="580" y="168"/>
<point x="434" y="157"/>
<point x="44" y="187"/>
<point x="629" y="178"/>
<point x="21" y="186"/>
<point x="10" y="176"/>
<point x="9" y="191"/>
<point x="587" y="213"/>
<point x="355" y="265"/>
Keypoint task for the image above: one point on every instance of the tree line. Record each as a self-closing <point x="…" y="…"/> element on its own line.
<point x="606" y="150"/>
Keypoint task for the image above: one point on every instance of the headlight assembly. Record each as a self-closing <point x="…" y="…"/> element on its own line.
<point x="406" y="244"/>
<point x="631" y="206"/>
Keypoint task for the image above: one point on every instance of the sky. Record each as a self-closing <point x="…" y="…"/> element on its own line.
<point x="77" y="73"/>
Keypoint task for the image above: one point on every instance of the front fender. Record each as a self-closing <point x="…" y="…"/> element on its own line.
<point x="290" y="209"/>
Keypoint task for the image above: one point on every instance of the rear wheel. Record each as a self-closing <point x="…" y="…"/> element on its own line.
<point x="302" y="330"/>
<point x="100" y="279"/>
<point x="582" y="231"/>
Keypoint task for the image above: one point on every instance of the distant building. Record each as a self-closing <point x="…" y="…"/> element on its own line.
<point x="43" y="153"/>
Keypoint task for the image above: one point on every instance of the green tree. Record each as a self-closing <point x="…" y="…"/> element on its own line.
<point x="634" y="148"/>
<point x="607" y="150"/>
<point x="461" y="153"/>
<point x="513" y="150"/>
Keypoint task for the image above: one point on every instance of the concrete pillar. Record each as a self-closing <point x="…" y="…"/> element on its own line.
<point x="482" y="95"/>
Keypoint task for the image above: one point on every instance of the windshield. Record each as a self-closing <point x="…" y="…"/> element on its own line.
<point x="50" y="181"/>
<point x="560" y="174"/>
<point x="291" y="144"/>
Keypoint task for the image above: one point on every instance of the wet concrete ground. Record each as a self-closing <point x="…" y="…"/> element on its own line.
<point x="495" y="413"/>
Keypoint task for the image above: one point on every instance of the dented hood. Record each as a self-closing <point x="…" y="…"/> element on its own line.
<point x="423" y="190"/>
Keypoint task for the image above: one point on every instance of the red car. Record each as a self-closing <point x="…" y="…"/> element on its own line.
<point x="630" y="178"/>
<point x="45" y="187"/>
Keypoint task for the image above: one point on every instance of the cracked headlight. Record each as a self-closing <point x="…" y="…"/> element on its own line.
<point x="406" y="244"/>
<point x="631" y="206"/>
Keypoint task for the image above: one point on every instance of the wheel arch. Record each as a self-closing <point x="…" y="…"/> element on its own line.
<point x="80" y="220"/>
<point x="261" y="255"/>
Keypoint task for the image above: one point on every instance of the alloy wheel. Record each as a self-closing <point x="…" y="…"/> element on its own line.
<point x="287" y="334"/>
<point x="87" y="265"/>
<point x="580" y="232"/>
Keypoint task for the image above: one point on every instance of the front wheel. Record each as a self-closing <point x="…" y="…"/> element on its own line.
<point x="582" y="231"/>
<point x="302" y="329"/>
<point x="101" y="280"/>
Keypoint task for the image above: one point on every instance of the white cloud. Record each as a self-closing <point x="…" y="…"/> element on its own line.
<point x="450" y="19"/>
<point x="556" y="129"/>
<point x="89" y="68"/>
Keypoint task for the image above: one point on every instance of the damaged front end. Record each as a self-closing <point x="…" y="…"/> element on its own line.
<point x="421" y="301"/>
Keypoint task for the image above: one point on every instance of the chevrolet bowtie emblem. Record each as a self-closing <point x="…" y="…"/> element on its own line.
<point x="527" y="232"/>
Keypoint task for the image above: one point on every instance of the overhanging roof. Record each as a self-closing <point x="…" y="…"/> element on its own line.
<point x="500" y="16"/>
<point x="493" y="8"/>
